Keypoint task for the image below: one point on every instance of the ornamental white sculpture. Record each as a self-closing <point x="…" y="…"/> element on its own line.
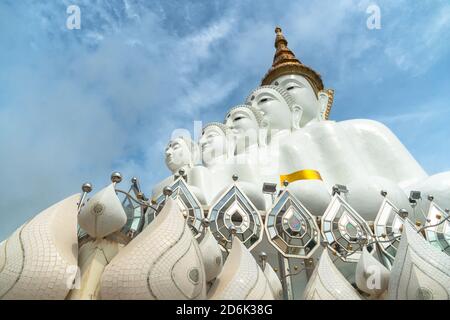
<point x="327" y="283"/>
<point x="211" y="255"/>
<point x="241" y="278"/>
<point x="39" y="260"/>
<point x="163" y="262"/>
<point x="420" y="271"/>
<point x="279" y="150"/>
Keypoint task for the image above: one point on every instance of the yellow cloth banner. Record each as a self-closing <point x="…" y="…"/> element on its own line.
<point x="306" y="174"/>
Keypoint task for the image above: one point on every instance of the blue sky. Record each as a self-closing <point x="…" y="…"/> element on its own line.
<point x="77" y="104"/>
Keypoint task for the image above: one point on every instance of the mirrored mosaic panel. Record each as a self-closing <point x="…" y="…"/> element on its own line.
<point x="388" y="229"/>
<point x="188" y="204"/>
<point x="438" y="230"/>
<point x="291" y="229"/>
<point x="134" y="215"/>
<point x="345" y="231"/>
<point x="234" y="209"/>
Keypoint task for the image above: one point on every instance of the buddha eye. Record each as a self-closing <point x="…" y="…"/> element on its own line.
<point x="292" y="86"/>
<point x="238" y="118"/>
<point x="264" y="100"/>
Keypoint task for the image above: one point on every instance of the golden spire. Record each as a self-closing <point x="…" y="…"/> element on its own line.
<point x="285" y="62"/>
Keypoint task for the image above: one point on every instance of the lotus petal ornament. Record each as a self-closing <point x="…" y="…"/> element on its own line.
<point x="163" y="262"/>
<point x="102" y="214"/>
<point x="291" y="229"/>
<point x="274" y="282"/>
<point x="344" y="230"/>
<point x="371" y="276"/>
<point x="438" y="231"/>
<point x="39" y="261"/>
<point x="387" y="229"/>
<point x="188" y="203"/>
<point x="211" y="255"/>
<point x="235" y="211"/>
<point x="327" y="283"/>
<point x="420" y="271"/>
<point x="241" y="277"/>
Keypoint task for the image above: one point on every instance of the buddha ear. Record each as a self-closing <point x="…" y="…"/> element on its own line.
<point x="325" y="98"/>
<point x="297" y="114"/>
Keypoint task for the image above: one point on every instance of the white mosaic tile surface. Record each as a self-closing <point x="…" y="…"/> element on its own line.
<point x="38" y="254"/>
<point x="162" y="262"/>
<point x="327" y="283"/>
<point x="420" y="271"/>
<point x="103" y="214"/>
<point x="241" y="278"/>
<point x="211" y="255"/>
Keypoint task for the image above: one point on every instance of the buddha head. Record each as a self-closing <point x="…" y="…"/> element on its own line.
<point x="277" y="106"/>
<point x="304" y="96"/>
<point x="181" y="152"/>
<point x="303" y="83"/>
<point x="214" y="143"/>
<point x="244" y="122"/>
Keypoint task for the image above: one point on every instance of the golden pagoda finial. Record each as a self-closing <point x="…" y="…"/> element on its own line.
<point x="285" y="62"/>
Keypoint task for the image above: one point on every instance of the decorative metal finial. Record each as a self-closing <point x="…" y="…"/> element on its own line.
<point x="447" y="211"/>
<point x="167" y="191"/>
<point x="235" y="177"/>
<point x="403" y="213"/>
<point x="86" y="187"/>
<point x="181" y="172"/>
<point x="430" y="197"/>
<point x="263" y="256"/>
<point x="140" y="196"/>
<point x="263" y="259"/>
<point x="205" y="223"/>
<point x="383" y="193"/>
<point x="134" y="180"/>
<point x="285" y="183"/>
<point x="116" y="177"/>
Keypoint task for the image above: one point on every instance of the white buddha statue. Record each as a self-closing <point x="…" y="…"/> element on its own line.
<point x="181" y="155"/>
<point x="337" y="152"/>
<point x="303" y="83"/>
<point x="244" y="122"/>
<point x="281" y="115"/>
<point x="280" y="112"/>
<point x="217" y="147"/>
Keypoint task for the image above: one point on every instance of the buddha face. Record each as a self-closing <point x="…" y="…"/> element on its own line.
<point x="244" y="127"/>
<point x="303" y="93"/>
<point x="178" y="155"/>
<point x="276" y="112"/>
<point x="241" y="120"/>
<point x="213" y="144"/>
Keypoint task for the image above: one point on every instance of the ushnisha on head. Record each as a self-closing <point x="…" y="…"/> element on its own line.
<point x="278" y="107"/>
<point x="214" y="143"/>
<point x="302" y="82"/>
<point x="181" y="152"/>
